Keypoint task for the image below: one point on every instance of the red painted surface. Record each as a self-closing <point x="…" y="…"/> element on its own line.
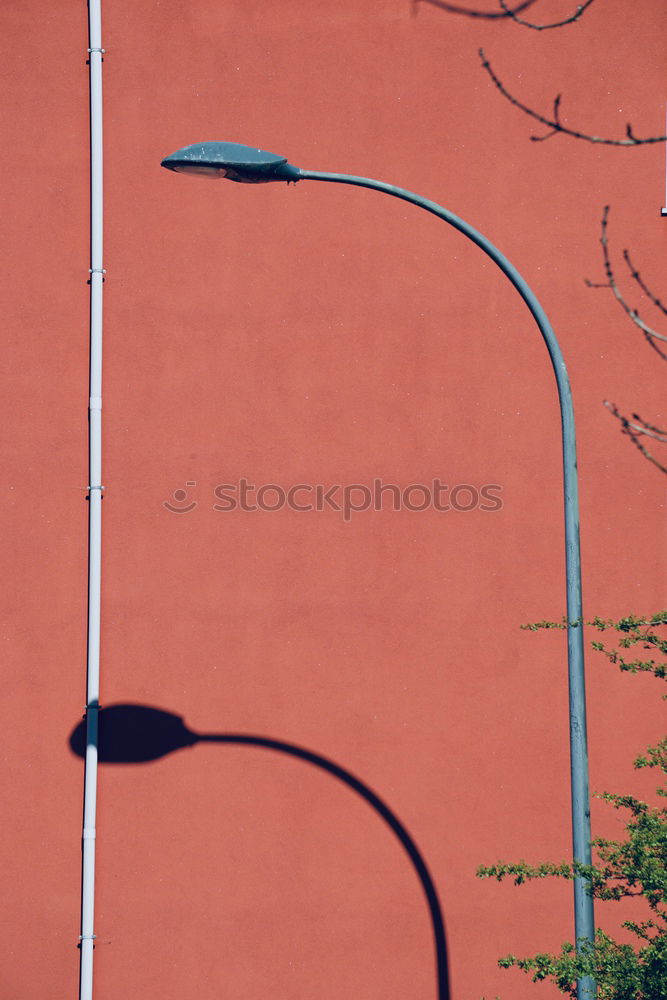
<point x="317" y="335"/>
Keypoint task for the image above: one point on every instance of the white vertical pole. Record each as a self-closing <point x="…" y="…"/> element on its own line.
<point x="95" y="502"/>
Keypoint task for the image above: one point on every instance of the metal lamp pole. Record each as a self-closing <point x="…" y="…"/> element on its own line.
<point x="250" y="165"/>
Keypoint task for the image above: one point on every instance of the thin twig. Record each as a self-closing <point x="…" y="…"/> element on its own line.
<point x="642" y="427"/>
<point x="634" y="273"/>
<point x="554" y="123"/>
<point x="650" y="334"/>
<point x="636" y="430"/>
<point x="467" y="12"/>
<point x="658" y="434"/>
<point x="545" y="27"/>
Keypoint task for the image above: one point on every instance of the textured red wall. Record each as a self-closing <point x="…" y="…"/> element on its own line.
<point x="317" y="334"/>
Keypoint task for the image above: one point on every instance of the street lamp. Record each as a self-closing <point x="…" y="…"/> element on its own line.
<point x="249" y="165"/>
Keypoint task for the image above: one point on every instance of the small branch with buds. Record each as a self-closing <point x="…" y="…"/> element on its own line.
<point x="555" y="124"/>
<point x="651" y="335"/>
<point x="638" y="428"/>
<point x="487" y="15"/>
<point x="544" y="27"/>
<point x="635" y="427"/>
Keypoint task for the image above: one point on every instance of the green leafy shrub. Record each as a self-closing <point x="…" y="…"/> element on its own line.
<point x="633" y="867"/>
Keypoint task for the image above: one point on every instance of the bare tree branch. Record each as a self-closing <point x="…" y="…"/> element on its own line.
<point x="545" y="27"/>
<point x="651" y="335"/>
<point x="554" y="123"/>
<point x="490" y="15"/>
<point x="637" y="428"/>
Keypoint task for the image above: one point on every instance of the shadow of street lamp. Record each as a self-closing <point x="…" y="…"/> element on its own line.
<point x="138" y="734"/>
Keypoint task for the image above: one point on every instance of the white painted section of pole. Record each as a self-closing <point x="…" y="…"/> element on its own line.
<point x="95" y="489"/>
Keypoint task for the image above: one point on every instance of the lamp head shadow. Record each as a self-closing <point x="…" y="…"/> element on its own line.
<point x="134" y="734"/>
<point x="243" y="164"/>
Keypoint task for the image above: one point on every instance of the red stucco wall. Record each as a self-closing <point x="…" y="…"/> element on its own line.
<point x="317" y="335"/>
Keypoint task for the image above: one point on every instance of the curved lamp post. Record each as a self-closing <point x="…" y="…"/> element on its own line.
<point x="248" y="165"/>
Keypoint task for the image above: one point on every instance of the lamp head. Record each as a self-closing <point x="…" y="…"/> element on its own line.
<point x="243" y="164"/>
